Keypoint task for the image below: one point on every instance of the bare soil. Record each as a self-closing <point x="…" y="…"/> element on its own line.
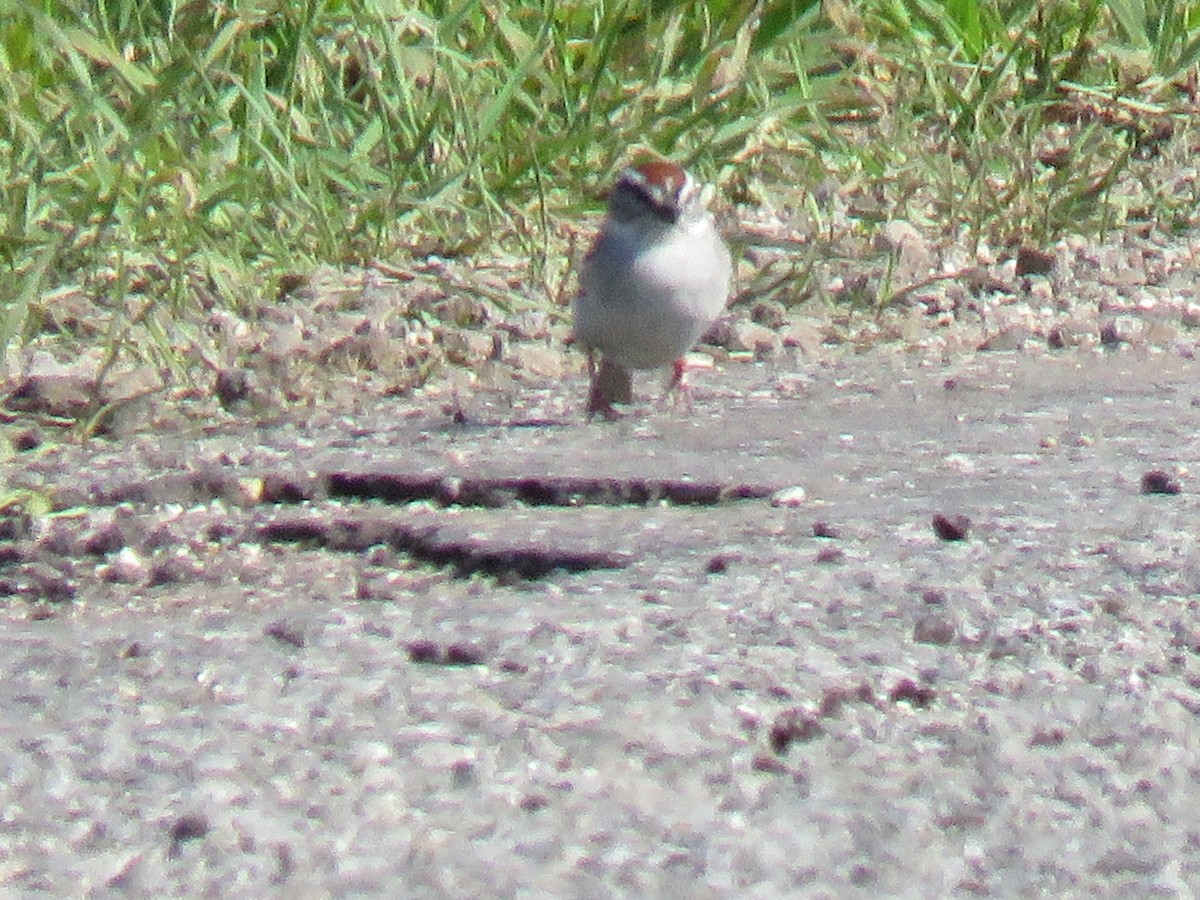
<point x="905" y="607"/>
<point x="482" y="647"/>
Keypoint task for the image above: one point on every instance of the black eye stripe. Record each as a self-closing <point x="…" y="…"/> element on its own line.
<point x="667" y="191"/>
<point x="654" y="194"/>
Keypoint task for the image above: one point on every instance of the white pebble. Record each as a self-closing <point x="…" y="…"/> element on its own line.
<point x="789" y="496"/>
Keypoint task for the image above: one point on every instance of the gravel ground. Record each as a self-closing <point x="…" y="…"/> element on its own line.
<point x="945" y="645"/>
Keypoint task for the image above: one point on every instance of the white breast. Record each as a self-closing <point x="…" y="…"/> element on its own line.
<point x="646" y="296"/>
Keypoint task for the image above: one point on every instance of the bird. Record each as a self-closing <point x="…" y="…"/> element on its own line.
<point x="655" y="279"/>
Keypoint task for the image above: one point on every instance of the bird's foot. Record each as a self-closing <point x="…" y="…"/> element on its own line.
<point x="678" y="390"/>
<point x="611" y="383"/>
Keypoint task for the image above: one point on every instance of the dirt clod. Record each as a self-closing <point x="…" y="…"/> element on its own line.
<point x="287" y="632"/>
<point x="934" y="629"/>
<point x="951" y="527"/>
<point x="232" y="386"/>
<point x="188" y="827"/>
<point x="424" y="651"/>
<point x="835" y="698"/>
<point x="174" y="570"/>
<point x="718" y="565"/>
<point x="763" y="762"/>
<point x="791" y="726"/>
<point x="534" y="802"/>
<point x="26" y="439"/>
<point x="908" y="691"/>
<point x="1034" y="262"/>
<point x="1159" y="482"/>
<point x="1048" y="737"/>
<point x="464" y="655"/>
<point x="831" y="555"/>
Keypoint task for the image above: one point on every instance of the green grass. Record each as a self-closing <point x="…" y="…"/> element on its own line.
<point x="163" y="157"/>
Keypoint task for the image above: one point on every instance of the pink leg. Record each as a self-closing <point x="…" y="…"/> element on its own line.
<point x="677" y="371"/>
<point x="678" y="387"/>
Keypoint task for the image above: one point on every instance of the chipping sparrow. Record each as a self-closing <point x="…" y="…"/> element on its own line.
<point x="656" y="278"/>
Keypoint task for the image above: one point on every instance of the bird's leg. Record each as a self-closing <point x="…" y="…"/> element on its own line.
<point x="596" y="402"/>
<point x="677" y="387"/>
<point x="610" y="383"/>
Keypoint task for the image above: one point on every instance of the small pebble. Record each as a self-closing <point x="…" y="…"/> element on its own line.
<point x="789" y="497"/>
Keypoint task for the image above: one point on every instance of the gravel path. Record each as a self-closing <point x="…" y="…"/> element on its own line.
<point x="211" y="694"/>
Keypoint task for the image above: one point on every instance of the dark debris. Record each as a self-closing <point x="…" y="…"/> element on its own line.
<point x="952" y="527"/>
<point x="1160" y="482"/>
